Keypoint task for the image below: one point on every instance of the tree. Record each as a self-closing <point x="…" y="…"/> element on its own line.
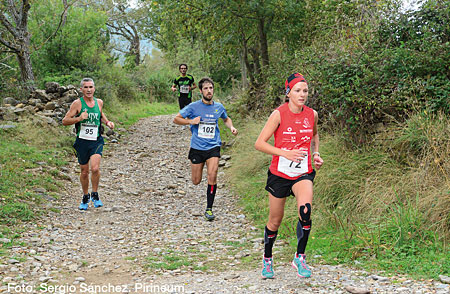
<point x="15" y="37"/>
<point x="130" y="23"/>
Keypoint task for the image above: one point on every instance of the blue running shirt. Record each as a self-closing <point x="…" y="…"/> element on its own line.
<point x="206" y="134"/>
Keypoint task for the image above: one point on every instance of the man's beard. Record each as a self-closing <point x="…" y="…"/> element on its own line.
<point x="207" y="99"/>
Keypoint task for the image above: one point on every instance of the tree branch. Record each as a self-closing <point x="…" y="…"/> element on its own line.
<point x="62" y="22"/>
<point x="8" y="26"/>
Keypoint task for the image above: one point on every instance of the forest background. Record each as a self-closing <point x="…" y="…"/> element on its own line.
<point x="379" y="77"/>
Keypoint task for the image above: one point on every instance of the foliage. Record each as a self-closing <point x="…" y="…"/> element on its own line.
<point x="79" y="49"/>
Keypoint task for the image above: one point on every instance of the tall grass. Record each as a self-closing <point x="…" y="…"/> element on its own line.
<point x="385" y="204"/>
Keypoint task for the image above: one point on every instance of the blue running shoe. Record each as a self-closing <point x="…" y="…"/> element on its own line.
<point x="299" y="263"/>
<point x="96" y="200"/>
<point x="85" y="202"/>
<point x="267" y="270"/>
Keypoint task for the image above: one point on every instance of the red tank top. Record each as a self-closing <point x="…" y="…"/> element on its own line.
<point x="294" y="132"/>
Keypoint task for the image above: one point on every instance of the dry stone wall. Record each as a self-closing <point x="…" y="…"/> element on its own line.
<point x="49" y="105"/>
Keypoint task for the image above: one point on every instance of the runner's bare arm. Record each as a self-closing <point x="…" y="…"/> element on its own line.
<point x="318" y="161"/>
<point x="229" y="123"/>
<point x="104" y="119"/>
<point x="69" y="118"/>
<point x="179" y="120"/>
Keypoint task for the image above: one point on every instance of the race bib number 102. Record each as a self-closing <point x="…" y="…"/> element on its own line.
<point x="207" y="130"/>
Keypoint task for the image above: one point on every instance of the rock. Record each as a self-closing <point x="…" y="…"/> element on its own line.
<point x="231" y="276"/>
<point x="20" y="111"/>
<point x="51" y="87"/>
<point x="7" y="127"/>
<point x="41" y="95"/>
<point x="80" y="279"/>
<point x="5" y="240"/>
<point x="225" y="157"/>
<point x="10" y="101"/>
<point x="44" y="279"/>
<point x="50" y="105"/>
<point x="356" y="290"/>
<point x="444" y="279"/>
<point x="62" y="89"/>
<point x="222" y="163"/>
<point x="13" y="261"/>
<point x="379" y="278"/>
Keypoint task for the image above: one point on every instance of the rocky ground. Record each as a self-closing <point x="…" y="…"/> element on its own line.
<point x="151" y="237"/>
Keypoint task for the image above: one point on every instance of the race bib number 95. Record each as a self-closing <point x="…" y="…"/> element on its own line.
<point x="89" y="132"/>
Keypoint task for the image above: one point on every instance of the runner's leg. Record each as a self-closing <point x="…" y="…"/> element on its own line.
<point x="84" y="178"/>
<point x="95" y="171"/>
<point x="196" y="172"/>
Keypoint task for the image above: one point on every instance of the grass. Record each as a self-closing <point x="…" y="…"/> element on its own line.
<point x="126" y="115"/>
<point x="169" y="261"/>
<point x="371" y="209"/>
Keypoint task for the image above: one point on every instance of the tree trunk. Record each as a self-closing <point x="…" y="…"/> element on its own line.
<point x="263" y="45"/>
<point x="24" y="60"/>
<point x="26" y="70"/>
<point x="136" y="50"/>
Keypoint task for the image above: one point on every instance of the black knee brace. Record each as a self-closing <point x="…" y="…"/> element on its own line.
<point x="306" y="217"/>
<point x="305" y="222"/>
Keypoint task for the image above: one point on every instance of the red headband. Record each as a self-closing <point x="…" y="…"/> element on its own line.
<point x="292" y="80"/>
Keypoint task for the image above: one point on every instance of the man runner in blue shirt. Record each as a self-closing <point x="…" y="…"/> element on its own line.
<point x="203" y="116"/>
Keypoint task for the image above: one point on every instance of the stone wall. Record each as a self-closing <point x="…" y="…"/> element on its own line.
<point x="49" y="105"/>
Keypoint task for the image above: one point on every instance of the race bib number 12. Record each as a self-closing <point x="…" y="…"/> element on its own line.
<point x="293" y="169"/>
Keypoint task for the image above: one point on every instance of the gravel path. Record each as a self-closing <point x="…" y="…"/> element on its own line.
<point x="151" y="237"/>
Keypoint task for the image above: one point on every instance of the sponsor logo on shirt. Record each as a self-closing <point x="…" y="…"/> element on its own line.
<point x="305" y="138"/>
<point x="306" y="123"/>
<point x="289" y="132"/>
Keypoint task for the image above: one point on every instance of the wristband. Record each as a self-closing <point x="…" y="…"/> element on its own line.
<point x="314" y="153"/>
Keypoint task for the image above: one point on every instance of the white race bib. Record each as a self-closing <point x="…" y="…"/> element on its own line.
<point x="89" y="132"/>
<point x="293" y="169"/>
<point x="207" y="130"/>
<point x="184" y="89"/>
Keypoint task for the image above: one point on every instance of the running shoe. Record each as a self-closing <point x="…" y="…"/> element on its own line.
<point x="96" y="200"/>
<point x="85" y="202"/>
<point x="209" y="214"/>
<point x="267" y="270"/>
<point x="299" y="263"/>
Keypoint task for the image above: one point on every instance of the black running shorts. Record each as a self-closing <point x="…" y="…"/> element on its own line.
<point x="85" y="149"/>
<point x="281" y="187"/>
<point x="184" y="101"/>
<point x="199" y="156"/>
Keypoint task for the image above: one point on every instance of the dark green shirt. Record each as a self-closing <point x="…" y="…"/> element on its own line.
<point x="183" y="83"/>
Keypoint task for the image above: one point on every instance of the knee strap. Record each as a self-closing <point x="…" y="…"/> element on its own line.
<point x="306" y="217"/>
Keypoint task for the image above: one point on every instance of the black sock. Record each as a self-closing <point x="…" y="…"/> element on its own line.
<point x="269" y="240"/>
<point x="210" y="195"/>
<point x="303" y="229"/>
